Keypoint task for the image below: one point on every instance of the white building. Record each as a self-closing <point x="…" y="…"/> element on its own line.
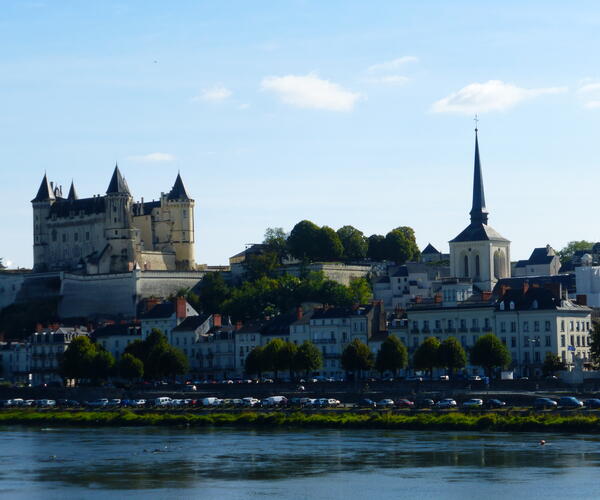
<point x="116" y="337"/>
<point x="542" y="262"/>
<point x="588" y="281"/>
<point x="165" y="316"/>
<point x="15" y="361"/>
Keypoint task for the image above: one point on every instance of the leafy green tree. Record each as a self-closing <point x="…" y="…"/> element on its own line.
<point x="392" y="355"/>
<point x="569" y="250"/>
<point x="376" y="247"/>
<point x="276" y="241"/>
<point x="272" y="359"/>
<point x="552" y="364"/>
<point x="329" y="245"/>
<point x="354" y="243"/>
<point x="158" y="357"/>
<point x="130" y="367"/>
<point x="308" y="358"/>
<point x="102" y="365"/>
<point x="595" y="345"/>
<point x="357" y="357"/>
<point x="303" y="242"/>
<point x="452" y="356"/>
<point x="174" y="362"/>
<point x="401" y="245"/>
<point x="261" y="265"/>
<point x="254" y="364"/>
<point x="489" y="353"/>
<point x="78" y="358"/>
<point x="360" y="291"/>
<point x="287" y="357"/>
<point x="426" y="357"/>
<point x="212" y="292"/>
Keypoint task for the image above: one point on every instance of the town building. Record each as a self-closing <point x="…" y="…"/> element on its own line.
<point x="115" y="337"/>
<point x="165" y="316"/>
<point x="112" y="233"/>
<point x="15" y="361"/>
<point x="542" y="262"/>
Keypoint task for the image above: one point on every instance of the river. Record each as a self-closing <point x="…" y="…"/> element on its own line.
<point x="294" y="464"/>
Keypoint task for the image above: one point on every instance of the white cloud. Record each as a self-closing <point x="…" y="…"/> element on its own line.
<point x="493" y="95"/>
<point x="389" y="80"/>
<point x="310" y="91"/>
<point x="393" y="64"/>
<point x="217" y="93"/>
<point x="153" y="158"/>
<point x="592" y="104"/>
<point x="589" y="87"/>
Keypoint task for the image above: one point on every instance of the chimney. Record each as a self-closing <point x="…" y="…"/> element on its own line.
<point x="582" y="299"/>
<point x="238" y="325"/>
<point x="180" y="308"/>
<point x="217" y="320"/>
<point x="150" y="303"/>
<point x="299" y="312"/>
<point x="503" y="290"/>
<point x="485" y="296"/>
<point x="437" y="298"/>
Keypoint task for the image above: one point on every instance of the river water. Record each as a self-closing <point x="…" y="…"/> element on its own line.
<point x="237" y="464"/>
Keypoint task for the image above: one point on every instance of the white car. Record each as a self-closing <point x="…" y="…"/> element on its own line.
<point x="386" y="403"/>
<point x="473" y="403"/>
<point x="446" y="403"/>
<point x="162" y="401"/>
<point x="250" y="401"/>
<point x="46" y="403"/>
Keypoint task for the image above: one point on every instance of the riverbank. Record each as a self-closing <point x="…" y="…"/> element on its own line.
<point x="375" y="420"/>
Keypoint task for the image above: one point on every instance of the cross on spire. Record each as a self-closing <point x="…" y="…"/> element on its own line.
<point x="476" y="120"/>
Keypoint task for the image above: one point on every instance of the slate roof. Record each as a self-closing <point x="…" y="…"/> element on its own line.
<point x="178" y="191"/>
<point x="72" y="193"/>
<point x="45" y="191"/>
<point x="430" y="249"/>
<point x="478" y="232"/>
<point x="160" y="311"/>
<point x="341" y="312"/>
<point x="65" y="208"/>
<point x="117" y="183"/>
<point x="567" y="281"/>
<point x="117" y="329"/>
<point x="191" y="323"/>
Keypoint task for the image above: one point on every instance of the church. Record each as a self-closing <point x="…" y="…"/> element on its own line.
<point x="112" y="233"/>
<point x="479" y="252"/>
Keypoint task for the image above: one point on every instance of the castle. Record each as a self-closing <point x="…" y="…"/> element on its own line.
<point x="112" y="233"/>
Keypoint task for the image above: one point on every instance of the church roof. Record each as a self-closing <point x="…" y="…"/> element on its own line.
<point x="72" y="193"/>
<point x="45" y="191"/>
<point x="479" y="232"/>
<point x="430" y="249"/>
<point x="178" y="191"/>
<point x="117" y="183"/>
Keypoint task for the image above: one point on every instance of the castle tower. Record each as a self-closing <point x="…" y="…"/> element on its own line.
<point x="479" y="252"/>
<point x="119" y="231"/>
<point x="42" y="203"/>
<point x="181" y="209"/>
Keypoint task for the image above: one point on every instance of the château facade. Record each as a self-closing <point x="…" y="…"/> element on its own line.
<point x="112" y="233"/>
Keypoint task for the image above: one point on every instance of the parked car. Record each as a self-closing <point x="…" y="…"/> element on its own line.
<point x="473" y="403"/>
<point x="426" y="403"/>
<point x="543" y="403"/>
<point x="444" y="378"/>
<point x="307" y="401"/>
<point x="274" y="401"/>
<point x="592" y="403"/>
<point x="495" y="403"/>
<point x="474" y="378"/>
<point x="250" y="401"/>
<point x="569" y="402"/>
<point x="404" y="403"/>
<point x="162" y="401"/>
<point x="114" y="403"/>
<point x="386" y="403"/>
<point x="97" y="403"/>
<point x="367" y="403"/>
<point x="446" y="403"/>
<point x="45" y="403"/>
<point x="211" y="401"/>
<point x="414" y="379"/>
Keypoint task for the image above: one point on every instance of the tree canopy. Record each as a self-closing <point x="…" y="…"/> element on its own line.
<point x="357" y="357"/>
<point x="87" y="360"/>
<point x="354" y="243"/>
<point x="451" y="355"/>
<point x="489" y="352"/>
<point x="158" y="357"/>
<point x="308" y="357"/>
<point x="426" y="357"/>
<point x="130" y="367"/>
<point x="566" y="253"/>
<point x="392" y="355"/>
<point x="552" y="364"/>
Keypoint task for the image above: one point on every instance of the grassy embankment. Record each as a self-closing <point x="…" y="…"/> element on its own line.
<point x="374" y="420"/>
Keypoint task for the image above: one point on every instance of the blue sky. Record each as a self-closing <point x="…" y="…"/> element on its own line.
<point x="340" y="112"/>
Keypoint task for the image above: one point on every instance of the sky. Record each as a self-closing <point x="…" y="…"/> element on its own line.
<point x="340" y="112"/>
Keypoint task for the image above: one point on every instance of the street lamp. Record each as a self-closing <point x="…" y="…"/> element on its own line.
<point x="535" y="341"/>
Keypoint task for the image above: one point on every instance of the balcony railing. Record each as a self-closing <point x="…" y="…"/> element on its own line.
<point x="437" y="330"/>
<point x="414" y="330"/>
<point x="450" y="330"/>
<point x="331" y="355"/>
<point x="475" y="329"/>
<point x="324" y="341"/>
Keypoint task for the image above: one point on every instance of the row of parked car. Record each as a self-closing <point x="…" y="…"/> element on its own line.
<point x="445" y="403"/>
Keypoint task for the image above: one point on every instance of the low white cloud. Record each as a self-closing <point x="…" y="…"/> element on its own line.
<point x="310" y="91"/>
<point x="592" y="104"/>
<point x="589" y="87"/>
<point x="493" y="95"/>
<point x="153" y="158"/>
<point x="392" y="65"/>
<point x="217" y="93"/>
<point x="389" y="80"/>
<point x="589" y="90"/>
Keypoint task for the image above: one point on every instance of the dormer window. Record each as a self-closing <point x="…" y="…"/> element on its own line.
<point x="502" y="306"/>
<point x="534" y="304"/>
<point x="511" y="306"/>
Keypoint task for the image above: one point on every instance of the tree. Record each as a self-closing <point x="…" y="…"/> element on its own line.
<point x="329" y="245"/>
<point x="174" y="362"/>
<point x="287" y="356"/>
<point x="595" y="345"/>
<point x="2" y="266"/>
<point x="272" y="360"/>
<point x="566" y="253"/>
<point x="357" y="357"/>
<point x="426" y="357"/>
<point x="158" y="357"/>
<point x="451" y="354"/>
<point x="360" y="291"/>
<point x="303" y="241"/>
<point x="276" y="241"/>
<point x="354" y="243"/>
<point x="254" y="364"/>
<point x="130" y="367"/>
<point x="308" y="358"/>
<point x="102" y="365"/>
<point x="211" y="292"/>
<point x="392" y="355"/>
<point x="400" y="245"/>
<point x="489" y="353"/>
<point x="552" y="364"/>
<point x="77" y="358"/>
<point x="260" y="265"/>
<point x="376" y="247"/>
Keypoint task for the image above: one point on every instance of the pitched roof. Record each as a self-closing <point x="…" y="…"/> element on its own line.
<point x="192" y="322"/>
<point x="178" y="191"/>
<point x="72" y="193"/>
<point x="540" y="256"/>
<point x="117" y="329"/>
<point x="430" y="249"/>
<point x="341" y="312"/>
<point x="162" y="310"/>
<point x="533" y="298"/>
<point x="117" y="183"/>
<point x="65" y="208"/>
<point x="478" y="232"/>
<point x="45" y="191"/>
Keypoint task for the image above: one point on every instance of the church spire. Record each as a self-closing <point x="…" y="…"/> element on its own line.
<point x="479" y="214"/>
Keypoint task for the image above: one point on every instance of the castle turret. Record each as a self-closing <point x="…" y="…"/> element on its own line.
<point x="181" y="208"/>
<point x="119" y="231"/>
<point x="42" y="203"/>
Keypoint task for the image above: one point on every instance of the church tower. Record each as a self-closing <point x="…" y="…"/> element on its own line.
<point x="479" y="252"/>
<point x="181" y="210"/>
<point x="42" y="203"/>
<point x="118" y="227"/>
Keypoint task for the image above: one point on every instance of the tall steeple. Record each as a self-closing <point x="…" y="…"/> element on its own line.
<point x="117" y="185"/>
<point x="45" y="191"/>
<point x="178" y="191"/>
<point x="72" y="193"/>
<point x="479" y="214"/>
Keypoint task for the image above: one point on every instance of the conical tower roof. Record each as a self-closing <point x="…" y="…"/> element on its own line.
<point x="479" y="214"/>
<point x="178" y="191"/>
<point x="72" y="193"/>
<point x="45" y="191"/>
<point x="117" y="185"/>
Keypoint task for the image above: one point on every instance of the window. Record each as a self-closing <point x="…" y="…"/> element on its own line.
<point x="562" y="341"/>
<point x="463" y="323"/>
<point x="526" y="341"/>
<point x="525" y="326"/>
<point x="486" y="323"/>
<point x="477" y="265"/>
<point x="513" y="341"/>
<point x="526" y="356"/>
<point x="547" y="326"/>
<point x="548" y="341"/>
<point x="502" y="326"/>
<point x="513" y="327"/>
<point x="562" y="325"/>
<point x="503" y="339"/>
<point x="475" y="322"/>
<point x="450" y="323"/>
<point x="76" y="237"/>
<point x="578" y="341"/>
<point x="475" y="338"/>
<point x="87" y="236"/>
<point x="463" y="340"/>
<point x="536" y="326"/>
<point x="64" y="237"/>
<point x="572" y="339"/>
<point x="184" y="213"/>
<point x="502" y="306"/>
<point x="511" y="306"/>
<point x="438" y="324"/>
<point x="54" y="235"/>
<point x="534" y="304"/>
<point x="466" y="266"/>
<point x="536" y="356"/>
<point x="570" y="326"/>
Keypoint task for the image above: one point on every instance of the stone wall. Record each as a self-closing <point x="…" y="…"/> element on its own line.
<point x="336" y="271"/>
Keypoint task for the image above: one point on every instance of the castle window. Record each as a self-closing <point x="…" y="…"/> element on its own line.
<point x="477" y="265"/>
<point x="184" y="214"/>
<point x="116" y="232"/>
<point x="466" y="266"/>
